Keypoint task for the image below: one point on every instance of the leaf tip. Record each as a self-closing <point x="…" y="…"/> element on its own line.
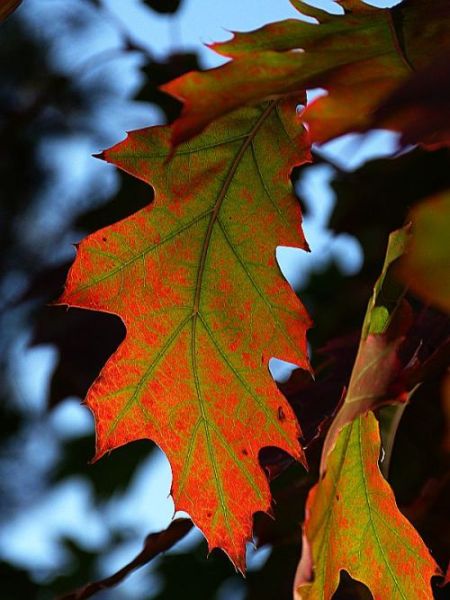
<point x="217" y="47"/>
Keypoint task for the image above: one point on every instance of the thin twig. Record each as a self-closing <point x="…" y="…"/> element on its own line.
<point x="154" y="544"/>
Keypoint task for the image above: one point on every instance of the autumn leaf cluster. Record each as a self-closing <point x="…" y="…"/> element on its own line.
<point x="194" y="278"/>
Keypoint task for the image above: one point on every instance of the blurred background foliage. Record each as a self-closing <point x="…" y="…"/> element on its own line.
<point x="63" y="96"/>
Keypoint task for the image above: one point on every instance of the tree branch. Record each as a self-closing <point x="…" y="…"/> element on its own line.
<point x="154" y="544"/>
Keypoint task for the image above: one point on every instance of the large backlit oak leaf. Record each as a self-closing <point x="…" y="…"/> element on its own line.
<point x="194" y="278"/>
<point x="359" y="57"/>
<point x="353" y="524"/>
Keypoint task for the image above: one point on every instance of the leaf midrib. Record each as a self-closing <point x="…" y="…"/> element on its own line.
<point x="370" y="510"/>
<point x="220" y="198"/>
<point x="197" y="298"/>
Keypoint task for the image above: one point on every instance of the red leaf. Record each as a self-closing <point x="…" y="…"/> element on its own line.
<point x="193" y="277"/>
<point x="353" y="524"/>
<point x="359" y="57"/>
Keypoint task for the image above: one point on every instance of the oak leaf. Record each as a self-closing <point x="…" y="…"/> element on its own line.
<point x="193" y="276"/>
<point x="358" y="57"/>
<point x="353" y="524"/>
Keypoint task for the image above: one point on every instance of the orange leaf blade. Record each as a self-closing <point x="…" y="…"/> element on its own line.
<point x="193" y="277"/>
<point x="359" y="57"/>
<point x="353" y="524"/>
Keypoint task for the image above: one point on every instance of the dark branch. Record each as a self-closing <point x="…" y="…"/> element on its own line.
<point x="154" y="544"/>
